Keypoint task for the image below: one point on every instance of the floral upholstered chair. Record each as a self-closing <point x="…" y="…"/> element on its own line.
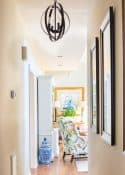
<point x="74" y="144"/>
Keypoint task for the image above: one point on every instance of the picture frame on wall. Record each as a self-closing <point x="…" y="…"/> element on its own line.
<point x="94" y="56"/>
<point x="64" y="94"/>
<point x="107" y="43"/>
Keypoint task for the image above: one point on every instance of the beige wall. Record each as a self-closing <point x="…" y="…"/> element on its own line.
<point x="104" y="159"/>
<point x="12" y="118"/>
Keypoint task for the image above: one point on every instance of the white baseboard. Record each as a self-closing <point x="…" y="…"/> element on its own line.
<point x="34" y="165"/>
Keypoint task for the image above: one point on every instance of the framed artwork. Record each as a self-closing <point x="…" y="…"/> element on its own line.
<point x="64" y="95"/>
<point x="107" y="41"/>
<point x="94" y="56"/>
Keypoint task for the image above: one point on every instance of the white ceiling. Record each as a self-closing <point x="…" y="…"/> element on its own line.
<point x="72" y="47"/>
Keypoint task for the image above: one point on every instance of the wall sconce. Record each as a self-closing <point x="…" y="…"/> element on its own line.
<point x="12" y="94"/>
<point x="24" y="53"/>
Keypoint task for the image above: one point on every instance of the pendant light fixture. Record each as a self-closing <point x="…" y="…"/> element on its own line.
<point x="55" y="21"/>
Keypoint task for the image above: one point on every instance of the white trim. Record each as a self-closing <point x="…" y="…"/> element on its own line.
<point x="33" y="121"/>
<point x="26" y="119"/>
<point x="106" y="20"/>
<point x="106" y="137"/>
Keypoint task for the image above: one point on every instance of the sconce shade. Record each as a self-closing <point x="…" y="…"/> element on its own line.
<point x="24" y="53"/>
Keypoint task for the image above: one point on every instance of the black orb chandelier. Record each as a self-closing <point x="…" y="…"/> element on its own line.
<point x="55" y="21"/>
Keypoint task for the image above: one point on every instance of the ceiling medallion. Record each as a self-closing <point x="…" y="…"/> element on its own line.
<point x="55" y="21"/>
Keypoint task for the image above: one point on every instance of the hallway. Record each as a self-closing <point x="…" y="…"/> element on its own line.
<point x="85" y="77"/>
<point x="58" y="167"/>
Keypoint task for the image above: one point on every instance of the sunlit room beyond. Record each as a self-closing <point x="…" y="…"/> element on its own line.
<point x="63" y="131"/>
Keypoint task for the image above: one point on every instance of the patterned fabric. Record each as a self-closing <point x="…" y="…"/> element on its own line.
<point x="73" y="142"/>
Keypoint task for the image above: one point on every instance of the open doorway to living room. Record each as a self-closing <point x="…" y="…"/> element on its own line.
<point x="62" y="122"/>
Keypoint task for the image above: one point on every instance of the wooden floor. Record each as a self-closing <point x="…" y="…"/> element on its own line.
<point x="58" y="167"/>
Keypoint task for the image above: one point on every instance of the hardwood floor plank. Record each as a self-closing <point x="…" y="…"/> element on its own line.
<point x="58" y="167"/>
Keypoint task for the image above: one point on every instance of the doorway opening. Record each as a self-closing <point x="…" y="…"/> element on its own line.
<point x="66" y="130"/>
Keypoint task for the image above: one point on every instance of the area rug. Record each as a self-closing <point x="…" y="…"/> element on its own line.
<point x="82" y="165"/>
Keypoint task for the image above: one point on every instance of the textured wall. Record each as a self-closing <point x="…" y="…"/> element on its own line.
<point x="104" y="159"/>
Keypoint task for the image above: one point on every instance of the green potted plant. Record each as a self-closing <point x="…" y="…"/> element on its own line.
<point x="69" y="112"/>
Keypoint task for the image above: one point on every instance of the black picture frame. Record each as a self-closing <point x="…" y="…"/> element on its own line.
<point x="94" y="61"/>
<point x="107" y="45"/>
